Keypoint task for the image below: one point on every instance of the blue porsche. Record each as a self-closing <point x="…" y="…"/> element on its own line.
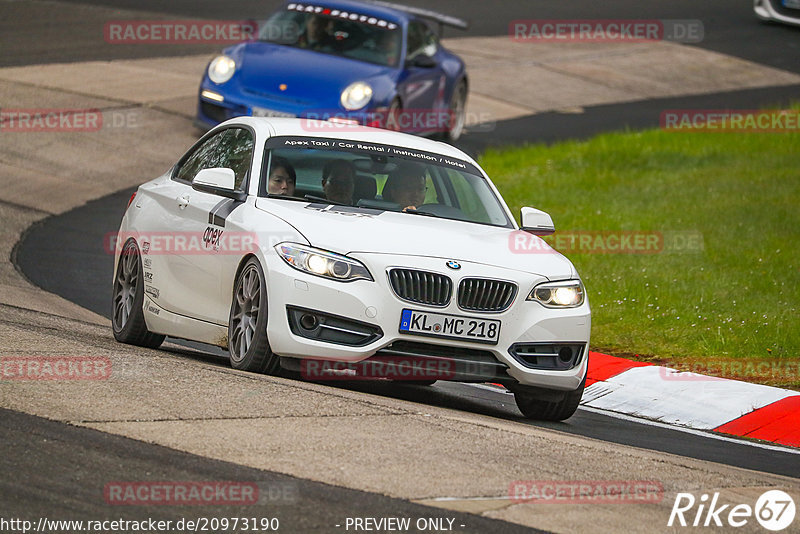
<point x="370" y="63"/>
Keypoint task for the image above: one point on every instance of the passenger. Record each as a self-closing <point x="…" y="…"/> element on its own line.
<point x="387" y="47"/>
<point x="406" y="186"/>
<point x="338" y="181"/>
<point x="282" y="178"/>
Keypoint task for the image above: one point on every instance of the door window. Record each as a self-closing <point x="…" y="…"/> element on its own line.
<point x="421" y="40"/>
<point x="231" y="148"/>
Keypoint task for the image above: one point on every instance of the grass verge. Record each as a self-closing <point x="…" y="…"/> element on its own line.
<point x="720" y="294"/>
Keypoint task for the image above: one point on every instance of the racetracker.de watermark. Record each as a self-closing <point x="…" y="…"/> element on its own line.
<point x="605" y="31"/>
<point x="607" y="242"/>
<point x="184" y="31"/>
<point x="177" y="493"/>
<point x="394" y="368"/>
<point x="55" y="368"/>
<point x="730" y="120"/>
<point x="212" y="240"/>
<point x="421" y="120"/>
<point x="733" y="369"/>
<point x="67" y="120"/>
<point x="586" y="491"/>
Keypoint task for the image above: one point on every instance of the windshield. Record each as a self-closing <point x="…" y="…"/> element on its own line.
<point x="334" y="32"/>
<point x="373" y="177"/>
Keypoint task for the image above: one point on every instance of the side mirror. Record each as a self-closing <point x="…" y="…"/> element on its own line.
<point x="423" y="61"/>
<point x="218" y="181"/>
<point x="536" y="222"/>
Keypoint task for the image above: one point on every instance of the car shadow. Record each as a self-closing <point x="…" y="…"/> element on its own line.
<point x="453" y="395"/>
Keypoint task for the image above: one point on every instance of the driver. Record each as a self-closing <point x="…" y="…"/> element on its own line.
<point x="406" y="186"/>
<point x="317" y="33"/>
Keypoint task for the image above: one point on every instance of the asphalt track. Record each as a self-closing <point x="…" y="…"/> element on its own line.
<point x="64" y="254"/>
<point x="80" y="271"/>
<point x="730" y="26"/>
<point x="29" y="30"/>
<point x="62" y="472"/>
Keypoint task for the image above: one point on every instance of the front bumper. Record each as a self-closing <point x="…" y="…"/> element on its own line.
<point x="373" y="304"/>
<point x="232" y="101"/>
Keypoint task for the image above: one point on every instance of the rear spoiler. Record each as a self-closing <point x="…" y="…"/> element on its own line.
<point x="443" y="20"/>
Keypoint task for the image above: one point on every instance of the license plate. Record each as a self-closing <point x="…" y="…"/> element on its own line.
<point x="264" y="112"/>
<point x="449" y="326"/>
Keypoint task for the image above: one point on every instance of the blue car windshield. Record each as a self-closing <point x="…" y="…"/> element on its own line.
<point x="350" y="35"/>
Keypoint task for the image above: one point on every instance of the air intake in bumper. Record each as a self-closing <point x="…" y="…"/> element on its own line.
<point x="312" y="324"/>
<point x="550" y="356"/>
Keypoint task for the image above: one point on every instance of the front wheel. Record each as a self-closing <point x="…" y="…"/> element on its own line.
<point x="533" y="407"/>
<point x="393" y="116"/>
<point x="127" y="320"/>
<point x="247" y="326"/>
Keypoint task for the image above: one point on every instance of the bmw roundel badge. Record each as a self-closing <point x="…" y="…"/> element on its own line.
<point x="453" y="264"/>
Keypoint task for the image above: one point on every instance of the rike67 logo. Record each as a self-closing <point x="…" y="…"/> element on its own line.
<point x="774" y="510"/>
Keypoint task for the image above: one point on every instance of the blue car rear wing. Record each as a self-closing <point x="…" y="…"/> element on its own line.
<point x="443" y="20"/>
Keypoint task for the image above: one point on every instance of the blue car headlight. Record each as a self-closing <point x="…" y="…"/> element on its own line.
<point x="322" y="263"/>
<point x="356" y="96"/>
<point x="221" y="69"/>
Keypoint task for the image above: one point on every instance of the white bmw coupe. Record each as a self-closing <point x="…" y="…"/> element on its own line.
<point x="347" y="252"/>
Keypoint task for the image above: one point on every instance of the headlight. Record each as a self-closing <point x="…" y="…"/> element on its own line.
<point x="567" y="294"/>
<point x="356" y="95"/>
<point x="321" y="263"/>
<point x="221" y="69"/>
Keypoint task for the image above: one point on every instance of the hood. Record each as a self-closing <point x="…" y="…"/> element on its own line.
<point x="309" y="76"/>
<point x="349" y="231"/>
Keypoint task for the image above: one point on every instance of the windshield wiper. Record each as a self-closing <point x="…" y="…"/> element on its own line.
<point x="417" y="212"/>
<point x="286" y="197"/>
<point x="325" y="200"/>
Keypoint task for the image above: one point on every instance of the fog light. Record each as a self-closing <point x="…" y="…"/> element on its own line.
<point x="211" y="95"/>
<point x="565" y="354"/>
<point x="308" y="321"/>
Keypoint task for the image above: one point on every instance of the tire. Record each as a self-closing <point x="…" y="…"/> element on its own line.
<point x="533" y="407"/>
<point x="248" y="346"/>
<point x="127" y="316"/>
<point x="458" y="112"/>
<point x="393" y="116"/>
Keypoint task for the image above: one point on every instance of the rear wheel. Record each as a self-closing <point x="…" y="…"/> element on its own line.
<point x="535" y="407"/>
<point x="417" y="382"/>
<point x="458" y="112"/>
<point x="247" y="326"/>
<point x="127" y="320"/>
